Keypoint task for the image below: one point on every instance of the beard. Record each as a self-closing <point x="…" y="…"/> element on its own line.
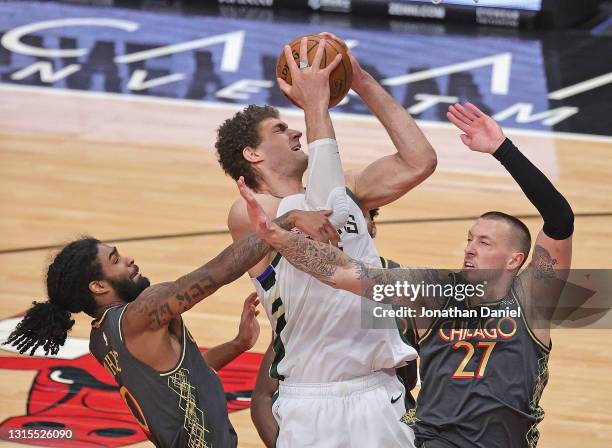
<point x="128" y="290"/>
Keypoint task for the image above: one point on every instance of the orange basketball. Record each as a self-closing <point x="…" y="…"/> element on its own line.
<point x="339" y="80"/>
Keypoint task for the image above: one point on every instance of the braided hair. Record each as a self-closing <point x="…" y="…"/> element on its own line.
<point x="47" y="323"/>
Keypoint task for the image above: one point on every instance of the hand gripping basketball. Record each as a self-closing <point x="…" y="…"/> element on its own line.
<point x="314" y="68"/>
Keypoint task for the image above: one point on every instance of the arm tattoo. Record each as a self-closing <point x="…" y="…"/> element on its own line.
<point x="543" y="264"/>
<point x="333" y="267"/>
<point x="161" y="303"/>
<point x="313" y="257"/>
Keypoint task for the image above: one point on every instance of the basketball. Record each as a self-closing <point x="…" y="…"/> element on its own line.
<point x="339" y="80"/>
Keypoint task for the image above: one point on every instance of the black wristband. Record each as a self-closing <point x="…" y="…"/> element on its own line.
<point x="554" y="208"/>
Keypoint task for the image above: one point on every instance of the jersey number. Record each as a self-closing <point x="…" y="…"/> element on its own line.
<point x="351" y="225"/>
<point x="469" y="347"/>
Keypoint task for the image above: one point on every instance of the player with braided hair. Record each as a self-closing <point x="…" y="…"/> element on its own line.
<point x="138" y="334"/>
<point x="47" y="323"/>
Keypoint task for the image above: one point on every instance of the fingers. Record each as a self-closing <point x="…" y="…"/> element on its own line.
<point x="245" y="192"/>
<point x="457" y="121"/>
<point x="284" y="86"/>
<point x="321" y="235"/>
<point x="304" y="49"/>
<point x="293" y="68"/>
<point x="465" y="139"/>
<point x="475" y="110"/>
<point x="456" y="112"/>
<point x="250" y="306"/>
<point x="332" y="35"/>
<point x="316" y="62"/>
<point x="469" y="115"/>
<point x="332" y="66"/>
<point x="252" y="298"/>
<point x="332" y="233"/>
<point x="327" y="231"/>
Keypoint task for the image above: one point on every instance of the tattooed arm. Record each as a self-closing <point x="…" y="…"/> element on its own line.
<point x="332" y="266"/>
<point x="160" y="303"/>
<point x="542" y="282"/>
<point x="336" y="269"/>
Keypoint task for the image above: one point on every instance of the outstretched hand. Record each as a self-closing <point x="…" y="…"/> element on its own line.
<point x="260" y="221"/>
<point x="481" y="132"/>
<point x="248" y="331"/>
<point x="313" y="223"/>
<point x="316" y="225"/>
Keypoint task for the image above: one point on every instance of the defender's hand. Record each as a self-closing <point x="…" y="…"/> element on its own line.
<point x="261" y="222"/>
<point x="248" y="332"/>
<point x="316" y="225"/>
<point x="481" y="132"/>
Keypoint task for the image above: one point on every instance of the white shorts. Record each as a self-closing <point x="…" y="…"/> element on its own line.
<point x="362" y="412"/>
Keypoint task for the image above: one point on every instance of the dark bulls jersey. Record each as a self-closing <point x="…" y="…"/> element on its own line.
<point x="482" y="379"/>
<point x="185" y="407"/>
<point x="408" y="373"/>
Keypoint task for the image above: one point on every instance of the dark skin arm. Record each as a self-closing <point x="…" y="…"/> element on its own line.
<point x="248" y="332"/>
<point x="158" y="305"/>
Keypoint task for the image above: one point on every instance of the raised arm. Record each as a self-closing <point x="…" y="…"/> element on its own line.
<point x="160" y="303"/>
<point x="390" y="177"/>
<point x="248" y="331"/>
<point x="325" y="187"/>
<point x="552" y="252"/>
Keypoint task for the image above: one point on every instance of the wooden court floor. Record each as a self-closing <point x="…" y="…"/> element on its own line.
<point x="122" y="169"/>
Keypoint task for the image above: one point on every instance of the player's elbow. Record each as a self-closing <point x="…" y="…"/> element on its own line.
<point x="561" y="226"/>
<point x="567" y="215"/>
<point x="338" y="201"/>
<point x="429" y="164"/>
<point x="415" y="171"/>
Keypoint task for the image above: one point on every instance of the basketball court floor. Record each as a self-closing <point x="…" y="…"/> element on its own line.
<point x="140" y="172"/>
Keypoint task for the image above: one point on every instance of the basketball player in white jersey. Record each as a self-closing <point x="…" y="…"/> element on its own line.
<point x="337" y="383"/>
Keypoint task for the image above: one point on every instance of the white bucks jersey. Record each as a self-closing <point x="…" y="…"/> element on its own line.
<point x="318" y="332"/>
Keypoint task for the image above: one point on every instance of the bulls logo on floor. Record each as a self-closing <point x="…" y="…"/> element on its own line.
<point x="72" y="391"/>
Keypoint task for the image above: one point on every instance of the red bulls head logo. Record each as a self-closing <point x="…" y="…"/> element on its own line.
<point x="71" y="391"/>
